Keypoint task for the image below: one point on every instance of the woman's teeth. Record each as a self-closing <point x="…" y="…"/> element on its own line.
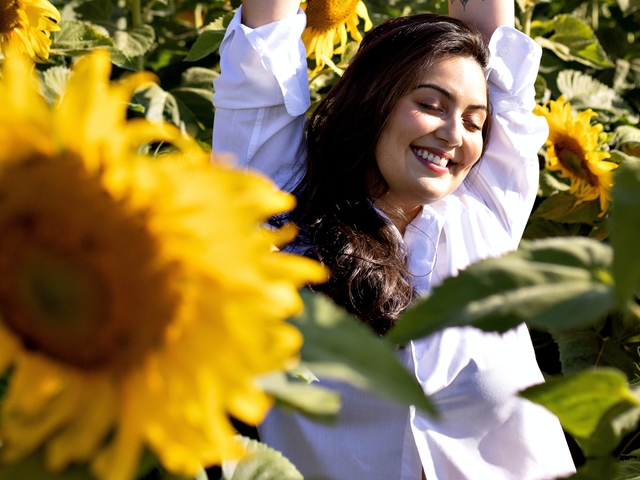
<point x="430" y="157"/>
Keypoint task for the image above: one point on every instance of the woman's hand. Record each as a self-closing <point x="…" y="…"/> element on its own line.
<point x="485" y="15"/>
<point x="256" y="13"/>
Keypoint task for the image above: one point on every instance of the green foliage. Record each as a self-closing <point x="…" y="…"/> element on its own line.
<point x="337" y="346"/>
<point x="553" y="283"/>
<point x="261" y="463"/>
<point x="626" y="231"/>
<point x="582" y="400"/>
<point x="319" y="403"/>
<point x="75" y="38"/>
<point x="572" y="40"/>
<point x="210" y="39"/>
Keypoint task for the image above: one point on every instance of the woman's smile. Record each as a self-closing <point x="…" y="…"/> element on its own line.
<point x="436" y="161"/>
<point x="433" y="136"/>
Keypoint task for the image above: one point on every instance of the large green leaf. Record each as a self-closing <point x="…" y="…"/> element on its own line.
<point x="563" y="207"/>
<point x="210" y="39"/>
<point x="96" y="12"/>
<point x="626" y="230"/>
<point x="597" y="469"/>
<point x="573" y="40"/>
<point x="54" y="82"/>
<point x="198" y="101"/>
<point x="628" y="138"/>
<point x="551" y="284"/>
<point x="314" y="401"/>
<point x="76" y="38"/>
<point x="542" y="228"/>
<point x="136" y="41"/>
<point x="583" y="349"/>
<point x="260" y="463"/>
<point x="584" y="91"/>
<point x="550" y="184"/>
<point x="157" y="104"/>
<point x="199" y="77"/>
<point x="629" y="470"/>
<point x="582" y="400"/>
<point x="338" y="346"/>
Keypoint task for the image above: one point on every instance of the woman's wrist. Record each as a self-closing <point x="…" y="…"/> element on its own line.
<point x="256" y="13"/>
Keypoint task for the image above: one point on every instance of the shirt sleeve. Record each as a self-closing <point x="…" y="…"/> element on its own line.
<point x="261" y="96"/>
<point x="507" y="178"/>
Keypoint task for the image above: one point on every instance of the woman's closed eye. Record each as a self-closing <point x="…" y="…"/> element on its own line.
<point x="430" y="107"/>
<point x="472" y="125"/>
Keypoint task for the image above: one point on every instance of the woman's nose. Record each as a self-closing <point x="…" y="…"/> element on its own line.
<point x="450" y="131"/>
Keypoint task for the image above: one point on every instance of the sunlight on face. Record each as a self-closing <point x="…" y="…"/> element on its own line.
<point x="433" y="136"/>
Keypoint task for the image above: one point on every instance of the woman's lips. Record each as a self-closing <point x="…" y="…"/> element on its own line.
<point x="431" y="160"/>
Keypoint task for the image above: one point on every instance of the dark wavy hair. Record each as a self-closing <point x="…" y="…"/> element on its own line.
<point x="338" y="223"/>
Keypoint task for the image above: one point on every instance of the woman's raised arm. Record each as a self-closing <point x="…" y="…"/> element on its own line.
<point x="256" y="13"/>
<point x="485" y="15"/>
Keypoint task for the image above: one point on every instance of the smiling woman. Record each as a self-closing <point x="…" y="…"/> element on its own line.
<point x="434" y="136"/>
<point x="387" y="202"/>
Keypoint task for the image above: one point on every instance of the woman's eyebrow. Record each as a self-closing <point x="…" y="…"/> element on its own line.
<point x="448" y="95"/>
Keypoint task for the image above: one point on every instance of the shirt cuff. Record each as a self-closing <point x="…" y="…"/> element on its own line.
<point x="263" y="67"/>
<point x="513" y="67"/>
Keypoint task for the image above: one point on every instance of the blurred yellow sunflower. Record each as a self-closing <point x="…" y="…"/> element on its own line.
<point x="139" y="297"/>
<point x="28" y="24"/>
<point x="327" y="24"/>
<point x="572" y="152"/>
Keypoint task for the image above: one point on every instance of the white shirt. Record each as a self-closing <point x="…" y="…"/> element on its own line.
<point x="485" y="431"/>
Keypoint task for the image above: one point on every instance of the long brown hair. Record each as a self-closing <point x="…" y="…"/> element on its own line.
<point x="338" y="223"/>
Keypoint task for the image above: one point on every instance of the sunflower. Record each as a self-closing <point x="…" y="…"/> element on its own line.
<point x="327" y="24"/>
<point x="572" y="152"/>
<point x="28" y="24"/>
<point x="139" y="297"/>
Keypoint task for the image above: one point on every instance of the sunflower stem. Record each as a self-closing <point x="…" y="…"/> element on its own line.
<point x="526" y="19"/>
<point x="135" y="8"/>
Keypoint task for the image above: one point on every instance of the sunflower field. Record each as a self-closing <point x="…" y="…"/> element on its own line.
<point x="113" y="209"/>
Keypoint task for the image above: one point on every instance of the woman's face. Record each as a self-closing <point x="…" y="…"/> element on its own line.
<point x="433" y="136"/>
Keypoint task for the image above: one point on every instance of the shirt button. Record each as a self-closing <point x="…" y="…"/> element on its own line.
<point x="511" y="37"/>
<point x="502" y="52"/>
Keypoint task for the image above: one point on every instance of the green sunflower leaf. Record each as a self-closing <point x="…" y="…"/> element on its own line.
<point x="625" y="219"/>
<point x="563" y="207"/>
<point x="628" y="138"/>
<point x="314" y="401"/>
<point x="584" y="91"/>
<point x="76" y="38"/>
<point x="210" y="39"/>
<point x="54" y="83"/>
<point x="260" y="463"/>
<point x="553" y="283"/>
<point x="136" y="41"/>
<point x="337" y="346"/>
<point x="573" y="40"/>
<point x="539" y="227"/>
<point x="550" y="184"/>
<point x="597" y="469"/>
<point x="587" y="348"/>
<point x="582" y="400"/>
<point x="629" y="469"/>
<point x="199" y="77"/>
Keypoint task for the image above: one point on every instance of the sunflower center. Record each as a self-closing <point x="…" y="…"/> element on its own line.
<point x="80" y="277"/>
<point x="328" y="14"/>
<point x="9" y="17"/>
<point x="573" y="158"/>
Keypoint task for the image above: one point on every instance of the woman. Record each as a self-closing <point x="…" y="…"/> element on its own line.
<point x="392" y="198"/>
